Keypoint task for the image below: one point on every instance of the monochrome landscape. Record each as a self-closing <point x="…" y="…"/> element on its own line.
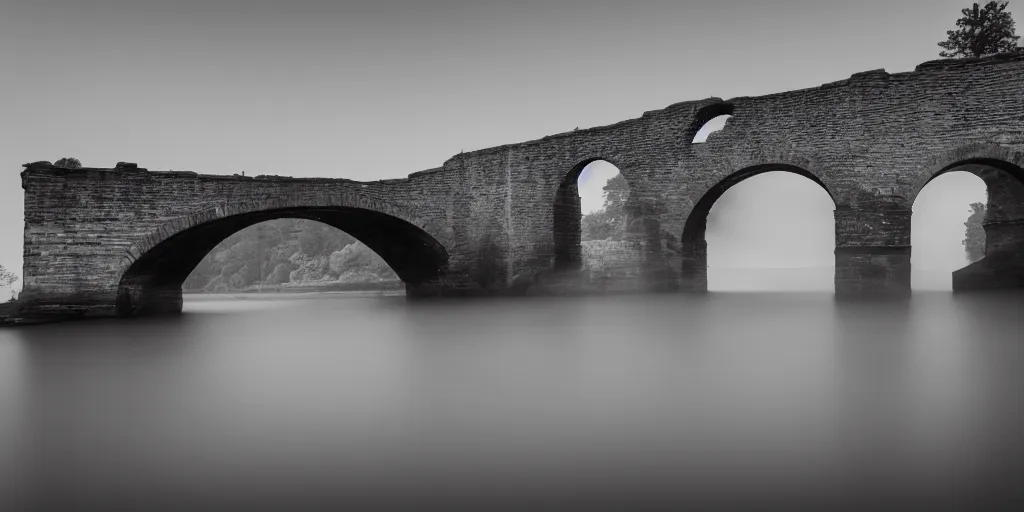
<point x="446" y="254"/>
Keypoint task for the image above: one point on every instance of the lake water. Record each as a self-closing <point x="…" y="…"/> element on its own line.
<point x="289" y="403"/>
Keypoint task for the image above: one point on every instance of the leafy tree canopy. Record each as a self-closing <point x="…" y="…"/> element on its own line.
<point x="68" y="163"/>
<point x="981" y="31"/>
<point x="7" y="277"/>
<point x="974" y="238"/>
<point x="610" y="220"/>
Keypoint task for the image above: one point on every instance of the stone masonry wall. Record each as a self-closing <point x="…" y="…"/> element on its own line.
<point x="872" y="141"/>
<point x="85" y="227"/>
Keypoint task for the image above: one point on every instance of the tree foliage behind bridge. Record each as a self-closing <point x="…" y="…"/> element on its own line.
<point x="289" y="252"/>
<point x="974" y="238"/>
<point x="981" y="31"/>
<point x="610" y="221"/>
<point x="7" y="278"/>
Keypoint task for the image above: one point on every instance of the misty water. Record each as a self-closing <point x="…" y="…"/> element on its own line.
<point x="273" y="400"/>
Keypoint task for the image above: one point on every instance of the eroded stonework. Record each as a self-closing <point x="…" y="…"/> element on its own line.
<point x="102" y="242"/>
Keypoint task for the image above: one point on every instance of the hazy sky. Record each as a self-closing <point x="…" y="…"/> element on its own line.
<point x="382" y="88"/>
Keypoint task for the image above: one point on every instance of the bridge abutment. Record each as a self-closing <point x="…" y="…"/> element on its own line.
<point x="872" y="253"/>
<point x="39" y="305"/>
<point x="483" y="224"/>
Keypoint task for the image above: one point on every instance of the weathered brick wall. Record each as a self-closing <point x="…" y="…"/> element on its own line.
<point x="872" y="141"/>
<point x="610" y="265"/>
<point x="85" y="228"/>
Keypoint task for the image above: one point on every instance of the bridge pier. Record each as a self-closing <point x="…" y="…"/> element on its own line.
<point x="43" y="305"/>
<point x="143" y="299"/>
<point x="568" y="227"/>
<point x="872" y="253"/>
<point x="694" y="277"/>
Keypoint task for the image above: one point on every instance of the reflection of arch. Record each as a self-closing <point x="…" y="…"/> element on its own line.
<point x="696" y="220"/>
<point x="161" y="261"/>
<point x="567" y="216"/>
<point x="991" y="155"/>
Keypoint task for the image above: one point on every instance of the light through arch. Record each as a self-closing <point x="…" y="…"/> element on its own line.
<point x="591" y="182"/>
<point x="152" y="282"/>
<point x="590" y="224"/>
<point x="938" y="230"/>
<point x="290" y="254"/>
<point x="774" y="231"/>
<point x="716" y="124"/>
<point x="709" y="119"/>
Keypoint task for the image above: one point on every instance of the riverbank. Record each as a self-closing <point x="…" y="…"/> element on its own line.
<point x="10" y="312"/>
<point x="396" y="286"/>
<point x="7" y="311"/>
<point x="286" y="295"/>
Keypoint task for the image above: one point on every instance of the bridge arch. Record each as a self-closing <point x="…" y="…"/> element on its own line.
<point x="152" y="272"/>
<point x="996" y="156"/>
<point x="696" y="218"/>
<point x="1001" y="168"/>
<point x="567" y="214"/>
<point x="693" y="241"/>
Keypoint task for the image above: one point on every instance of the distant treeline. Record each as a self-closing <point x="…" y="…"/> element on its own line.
<point x="290" y="253"/>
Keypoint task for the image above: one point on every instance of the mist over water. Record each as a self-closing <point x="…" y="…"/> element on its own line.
<point x="277" y="400"/>
<point x="334" y="400"/>
<point x="776" y="232"/>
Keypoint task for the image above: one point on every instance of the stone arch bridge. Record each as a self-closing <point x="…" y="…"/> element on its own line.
<point x="105" y="242"/>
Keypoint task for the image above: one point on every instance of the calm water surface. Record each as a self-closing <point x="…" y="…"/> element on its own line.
<point x="292" y="403"/>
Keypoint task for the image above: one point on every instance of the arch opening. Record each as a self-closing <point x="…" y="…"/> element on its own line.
<point x="710" y="119"/>
<point x="938" y="229"/>
<point x="290" y="253"/>
<point x="967" y="227"/>
<point x="715" y="125"/>
<point x="153" y="283"/>
<point x="764" y="228"/>
<point x="589" y="204"/>
<point x="591" y="223"/>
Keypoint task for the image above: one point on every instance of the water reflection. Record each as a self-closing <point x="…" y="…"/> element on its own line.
<point x="726" y="395"/>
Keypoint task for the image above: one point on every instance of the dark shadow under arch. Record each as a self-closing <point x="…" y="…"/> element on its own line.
<point x="152" y="283"/>
<point x="972" y="165"/>
<point x="996" y="156"/>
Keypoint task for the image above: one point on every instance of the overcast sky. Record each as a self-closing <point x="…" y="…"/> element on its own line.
<point x="382" y="88"/>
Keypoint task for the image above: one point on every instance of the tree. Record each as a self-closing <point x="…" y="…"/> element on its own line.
<point x="616" y="192"/>
<point x="982" y="31"/>
<point x="974" y="238"/>
<point x="610" y="220"/>
<point x="7" y="278"/>
<point x="68" y="163"/>
<point x="598" y="225"/>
